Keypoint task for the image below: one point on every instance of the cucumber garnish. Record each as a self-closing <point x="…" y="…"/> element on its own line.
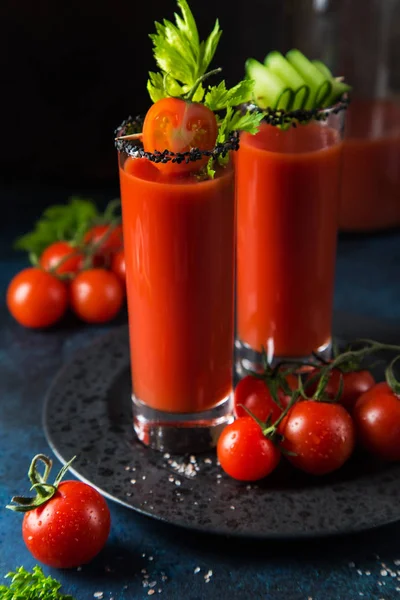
<point x="293" y="82"/>
<point x="269" y="89"/>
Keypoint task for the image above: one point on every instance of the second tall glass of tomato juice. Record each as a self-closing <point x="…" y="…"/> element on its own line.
<point x="178" y="213"/>
<point x="288" y="189"/>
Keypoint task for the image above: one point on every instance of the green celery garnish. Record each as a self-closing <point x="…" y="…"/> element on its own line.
<point x="183" y="61"/>
<point x="32" y="586"/>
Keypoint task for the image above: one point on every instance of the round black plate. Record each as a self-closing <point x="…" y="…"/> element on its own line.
<point x="88" y="414"/>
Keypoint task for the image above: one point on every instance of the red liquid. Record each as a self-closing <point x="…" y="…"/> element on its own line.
<point x="370" y="196"/>
<point x="179" y="249"/>
<point x="287" y="196"/>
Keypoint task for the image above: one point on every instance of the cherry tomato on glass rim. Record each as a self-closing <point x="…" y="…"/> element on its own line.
<point x="254" y="394"/>
<point x="36" y="298"/>
<point x="179" y="125"/>
<point x="96" y="295"/>
<point x="70" y="525"/>
<point x="61" y="258"/>
<point x="244" y="452"/>
<point x="319" y="436"/>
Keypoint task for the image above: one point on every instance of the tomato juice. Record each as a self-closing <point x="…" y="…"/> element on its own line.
<point x="287" y="211"/>
<point x="179" y="251"/>
<point x="370" y="198"/>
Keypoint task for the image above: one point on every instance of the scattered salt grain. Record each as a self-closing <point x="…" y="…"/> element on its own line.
<point x="177" y="482"/>
<point x="79" y="569"/>
<point x="208" y="461"/>
<point x="167" y="455"/>
<point x="397" y="562"/>
<point x="352" y="564"/>
<point x="144" y="477"/>
<point x="151" y="592"/>
<point x="171" y="479"/>
<point x="232" y="507"/>
<point x="197" y="570"/>
<point x="384" y="572"/>
<point x="98" y="595"/>
<point x="151" y="558"/>
<point x="133" y="481"/>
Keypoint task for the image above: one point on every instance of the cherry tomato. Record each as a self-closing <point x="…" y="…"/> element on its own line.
<point x="377" y="421"/>
<point x="108" y="241"/>
<point x="96" y="295"/>
<point x="355" y="383"/>
<point x="59" y="252"/>
<point x="320" y="434"/>
<point x="177" y="125"/>
<point x="70" y="528"/>
<point x="244" y="452"/>
<point x="36" y="299"/>
<point x="118" y="265"/>
<point x="254" y="394"/>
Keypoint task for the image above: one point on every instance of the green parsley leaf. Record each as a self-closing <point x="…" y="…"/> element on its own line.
<point x="32" y="586"/>
<point x="238" y="121"/>
<point x="218" y="97"/>
<point x="59" y="222"/>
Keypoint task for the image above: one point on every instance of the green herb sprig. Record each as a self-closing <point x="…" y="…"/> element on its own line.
<point x="32" y="586"/>
<point x="183" y="61"/>
<point x="67" y="222"/>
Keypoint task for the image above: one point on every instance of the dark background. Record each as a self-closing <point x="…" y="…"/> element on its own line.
<point x="71" y="72"/>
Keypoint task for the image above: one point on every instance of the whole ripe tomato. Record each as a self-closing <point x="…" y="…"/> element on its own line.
<point x="178" y="125"/>
<point x="70" y="529"/>
<point x="255" y="395"/>
<point x="355" y="383"/>
<point x="96" y="295"/>
<point x="118" y="266"/>
<point x="36" y="299"/>
<point x="107" y="239"/>
<point x="377" y="420"/>
<point x="319" y="434"/>
<point x="61" y="252"/>
<point x="244" y="452"/>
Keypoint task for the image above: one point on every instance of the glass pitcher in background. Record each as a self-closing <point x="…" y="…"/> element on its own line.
<point x="360" y="39"/>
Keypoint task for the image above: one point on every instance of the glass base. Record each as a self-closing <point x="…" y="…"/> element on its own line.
<point x="247" y="359"/>
<point x="181" y="433"/>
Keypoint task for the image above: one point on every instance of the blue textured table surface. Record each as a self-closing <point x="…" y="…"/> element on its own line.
<point x="366" y="565"/>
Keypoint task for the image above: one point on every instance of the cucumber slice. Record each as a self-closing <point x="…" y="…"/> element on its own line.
<point x="338" y="89"/>
<point x="277" y="63"/>
<point x="269" y="89"/>
<point x="313" y="77"/>
<point x="322" y="68"/>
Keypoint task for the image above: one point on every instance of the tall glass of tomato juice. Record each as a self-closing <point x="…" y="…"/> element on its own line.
<point x="288" y="187"/>
<point x="179" y="250"/>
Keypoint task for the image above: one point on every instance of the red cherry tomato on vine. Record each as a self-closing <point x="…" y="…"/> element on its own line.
<point x="96" y="295"/>
<point x="377" y="420"/>
<point x="254" y="394"/>
<point x="118" y="265"/>
<point x="70" y="529"/>
<point x="178" y="125"/>
<point x="244" y="452"/>
<point x="355" y="383"/>
<point x="36" y="299"/>
<point x="61" y="252"/>
<point x="107" y="239"/>
<point x="320" y="434"/>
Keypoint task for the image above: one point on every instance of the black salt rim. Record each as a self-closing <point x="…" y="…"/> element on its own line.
<point x="278" y="116"/>
<point x="135" y="148"/>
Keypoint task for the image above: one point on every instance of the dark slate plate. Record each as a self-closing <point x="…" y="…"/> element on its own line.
<point x="87" y="413"/>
